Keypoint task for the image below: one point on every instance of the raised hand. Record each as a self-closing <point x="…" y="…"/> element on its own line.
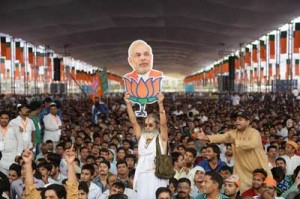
<point x="27" y="156"/>
<point x="126" y="98"/>
<point x="200" y="135"/>
<point x="229" y="140"/>
<point x="160" y="98"/>
<point x="70" y="155"/>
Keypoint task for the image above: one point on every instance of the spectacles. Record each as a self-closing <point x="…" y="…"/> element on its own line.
<point x="149" y="125"/>
<point x="183" y="188"/>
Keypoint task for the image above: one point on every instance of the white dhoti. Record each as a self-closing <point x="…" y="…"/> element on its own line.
<point x="145" y="181"/>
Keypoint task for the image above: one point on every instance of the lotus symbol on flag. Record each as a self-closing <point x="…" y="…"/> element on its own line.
<point x="143" y="92"/>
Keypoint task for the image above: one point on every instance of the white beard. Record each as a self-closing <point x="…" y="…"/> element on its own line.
<point x="149" y="134"/>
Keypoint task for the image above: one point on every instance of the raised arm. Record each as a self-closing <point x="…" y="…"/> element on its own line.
<point x="135" y="125"/>
<point x="28" y="157"/>
<point x="30" y="186"/>
<point x="162" y="118"/>
<point x="72" y="185"/>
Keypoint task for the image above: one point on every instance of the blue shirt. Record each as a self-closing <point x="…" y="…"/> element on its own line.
<point x="205" y="165"/>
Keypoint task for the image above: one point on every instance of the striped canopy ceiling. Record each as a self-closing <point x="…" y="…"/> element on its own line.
<point x="184" y="34"/>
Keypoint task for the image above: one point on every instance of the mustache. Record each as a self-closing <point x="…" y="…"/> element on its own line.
<point x="181" y="192"/>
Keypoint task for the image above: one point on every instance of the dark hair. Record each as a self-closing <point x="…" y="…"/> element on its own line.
<point x="105" y="162"/>
<point x="280" y="159"/>
<point x="131" y="173"/>
<point x="61" y="145"/>
<point x="119" y="185"/>
<point x="182" y="180"/>
<point x="35" y="105"/>
<point x="121" y="162"/>
<point x="89" y="167"/>
<point x="271" y="147"/>
<point x="215" y="149"/>
<point x="83" y="186"/>
<point x="54" y="159"/>
<point x="131" y="156"/>
<point x="175" y="156"/>
<point x="173" y="181"/>
<point x="46" y="165"/>
<point x="278" y="173"/>
<point x="118" y="196"/>
<point x="217" y="178"/>
<point x="226" y="168"/>
<point x="58" y="189"/>
<point x="162" y="190"/>
<point x="192" y="151"/>
<point x="121" y="148"/>
<point x="15" y="167"/>
<point x="91" y="157"/>
<point x="262" y="171"/>
<point x="5" y="113"/>
<point x="104" y="150"/>
<point x="49" y="142"/>
<point x="81" y="148"/>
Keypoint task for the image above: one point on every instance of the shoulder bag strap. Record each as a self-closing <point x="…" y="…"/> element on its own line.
<point x="158" y="152"/>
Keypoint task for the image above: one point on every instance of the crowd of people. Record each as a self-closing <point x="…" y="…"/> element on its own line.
<point x="106" y="151"/>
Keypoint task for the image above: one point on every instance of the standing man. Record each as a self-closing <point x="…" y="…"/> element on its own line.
<point x="53" y="125"/>
<point x="99" y="109"/>
<point x="145" y="181"/>
<point x="247" y="148"/>
<point x="25" y="126"/>
<point x="11" y="143"/>
<point x="36" y="108"/>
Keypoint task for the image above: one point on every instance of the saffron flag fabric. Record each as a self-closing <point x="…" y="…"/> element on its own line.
<point x="272" y="46"/>
<point x="297" y="38"/>
<point x="262" y="50"/>
<point x="283" y="42"/>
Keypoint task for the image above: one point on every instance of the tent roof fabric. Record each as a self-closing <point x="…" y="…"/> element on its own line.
<point x="184" y="35"/>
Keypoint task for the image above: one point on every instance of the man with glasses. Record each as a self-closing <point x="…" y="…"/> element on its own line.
<point x="145" y="181"/>
<point x="248" y="150"/>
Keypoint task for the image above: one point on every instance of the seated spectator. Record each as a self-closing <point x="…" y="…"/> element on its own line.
<point x="196" y="176"/>
<point x="212" y="185"/>
<point x="269" y="189"/>
<point x="183" y="189"/>
<point x="231" y="187"/>
<point x="259" y="175"/>
<point x="292" y="160"/>
<point x="14" y="172"/>
<point x="225" y="172"/>
<point x="163" y="193"/>
<point x="213" y="162"/>
<point x="284" y="182"/>
<point x="178" y="163"/>
<point x="87" y="172"/>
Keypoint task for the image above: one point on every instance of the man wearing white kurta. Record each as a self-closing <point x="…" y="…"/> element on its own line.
<point x="25" y="126"/>
<point x="145" y="181"/>
<point x="53" y="125"/>
<point x="10" y="143"/>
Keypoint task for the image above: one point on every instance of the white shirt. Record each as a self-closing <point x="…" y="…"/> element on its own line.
<point x="27" y="126"/>
<point x="128" y="192"/>
<point x="236" y="100"/>
<point x="291" y="163"/>
<point x="94" y="191"/>
<point x="11" y="145"/>
<point x="52" y="124"/>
